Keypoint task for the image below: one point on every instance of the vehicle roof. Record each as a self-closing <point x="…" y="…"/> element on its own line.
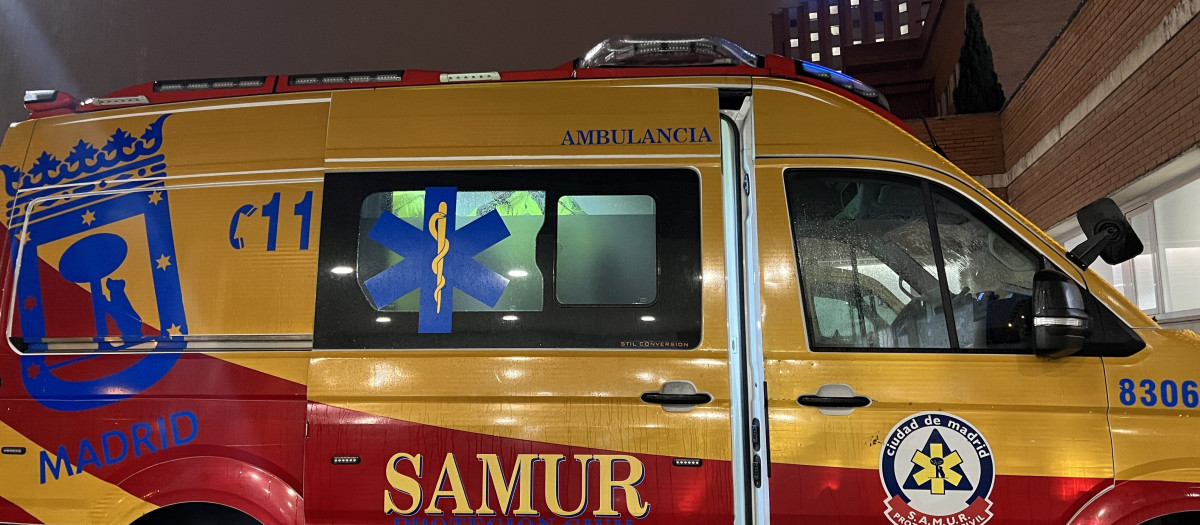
<point x="46" y="103"/>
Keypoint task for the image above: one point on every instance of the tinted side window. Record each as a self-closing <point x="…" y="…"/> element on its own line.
<point x="989" y="275"/>
<point x="547" y="258"/>
<point x="606" y="250"/>
<point x="887" y="262"/>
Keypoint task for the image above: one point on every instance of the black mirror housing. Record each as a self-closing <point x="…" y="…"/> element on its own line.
<point x="1061" y="321"/>
<point x="1109" y="235"/>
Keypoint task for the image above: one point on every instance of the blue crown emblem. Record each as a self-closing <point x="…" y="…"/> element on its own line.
<point x="85" y="159"/>
<point x="71" y="205"/>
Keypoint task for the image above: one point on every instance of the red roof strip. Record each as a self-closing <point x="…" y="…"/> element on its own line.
<point x="772" y="66"/>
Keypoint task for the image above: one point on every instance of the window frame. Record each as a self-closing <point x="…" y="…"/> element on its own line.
<point x="345" y="319"/>
<point x="927" y="188"/>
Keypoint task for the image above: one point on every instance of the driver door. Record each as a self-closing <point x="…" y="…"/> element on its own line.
<point x="897" y="340"/>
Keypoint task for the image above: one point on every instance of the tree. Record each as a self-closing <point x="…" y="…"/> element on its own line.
<point x="978" y="88"/>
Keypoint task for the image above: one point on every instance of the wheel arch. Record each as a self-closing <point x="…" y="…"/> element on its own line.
<point x="220" y="481"/>
<point x="1134" y="502"/>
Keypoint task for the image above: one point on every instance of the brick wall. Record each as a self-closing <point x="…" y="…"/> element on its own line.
<point x="1102" y="33"/>
<point x="972" y="142"/>
<point x="1153" y="116"/>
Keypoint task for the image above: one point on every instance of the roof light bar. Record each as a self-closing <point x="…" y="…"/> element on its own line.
<point x="205" y="84"/>
<point x="841" y="80"/>
<point x="46" y="102"/>
<point x="345" y="78"/>
<point x="666" y="51"/>
<point x="40" y="95"/>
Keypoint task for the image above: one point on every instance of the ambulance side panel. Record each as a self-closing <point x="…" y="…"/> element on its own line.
<point x="520" y="402"/>
<point x="164" y="295"/>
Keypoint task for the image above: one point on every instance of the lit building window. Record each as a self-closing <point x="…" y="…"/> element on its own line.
<point x="812" y="16"/>
<point x="878" y="38"/>
<point x="903" y="7"/>
<point x="833" y="9"/>
<point x="853" y="2"/>
<point x="837" y="51"/>
<point x="835" y="30"/>
<point x="856" y="42"/>
<point x="904" y="29"/>
<point x="816" y="57"/>
<point x="795" y="42"/>
<point x="812" y="37"/>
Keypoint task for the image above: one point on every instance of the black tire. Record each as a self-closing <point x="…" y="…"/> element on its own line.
<point x="197" y="513"/>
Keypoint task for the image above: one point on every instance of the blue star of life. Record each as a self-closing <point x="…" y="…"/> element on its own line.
<point x="438" y="258"/>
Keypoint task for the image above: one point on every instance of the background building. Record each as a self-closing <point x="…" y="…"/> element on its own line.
<point x="1111" y="109"/>
<point x="910" y="52"/>
<point x="819" y="30"/>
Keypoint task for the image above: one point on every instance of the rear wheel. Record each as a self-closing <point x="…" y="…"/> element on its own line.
<point x="197" y="513"/>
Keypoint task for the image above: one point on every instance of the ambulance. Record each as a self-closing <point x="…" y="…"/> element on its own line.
<point x="669" y="282"/>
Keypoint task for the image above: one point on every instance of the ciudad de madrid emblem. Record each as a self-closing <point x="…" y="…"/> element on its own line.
<point x="937" y="468"/>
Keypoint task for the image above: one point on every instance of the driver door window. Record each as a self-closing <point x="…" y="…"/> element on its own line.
<point x="889" y="262"/>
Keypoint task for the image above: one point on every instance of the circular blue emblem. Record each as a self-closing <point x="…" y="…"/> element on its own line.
<point x="936" y="465"/>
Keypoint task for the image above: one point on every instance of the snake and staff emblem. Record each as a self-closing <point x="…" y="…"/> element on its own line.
<point x="427" y="248"/>
<point x="437" y="229"/>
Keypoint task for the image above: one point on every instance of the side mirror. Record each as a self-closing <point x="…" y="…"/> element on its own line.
<point x="1060" y="319"/>
<point x="1109" y="235"/>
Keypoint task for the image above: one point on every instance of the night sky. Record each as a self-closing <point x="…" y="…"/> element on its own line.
<point x="91" y="48"/>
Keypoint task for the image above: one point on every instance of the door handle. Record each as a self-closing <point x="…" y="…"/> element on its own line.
<point x="811" y="400"/>
<point x="677" y="396"/>
<point x="834" y="399"/>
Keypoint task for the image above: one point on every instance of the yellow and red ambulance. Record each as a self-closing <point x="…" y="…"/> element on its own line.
<point x="669" y="282"/>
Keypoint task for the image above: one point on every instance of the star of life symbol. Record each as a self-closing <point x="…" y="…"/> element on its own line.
<point x="437" y="259"/>
<point x="937" y="468"/>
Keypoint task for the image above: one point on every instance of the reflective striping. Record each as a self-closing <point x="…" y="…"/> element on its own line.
<point x="203" y="108"/>
<point x="793" y="92"/>
<point x="528" y="157"/>
<point x="80" y="498"/>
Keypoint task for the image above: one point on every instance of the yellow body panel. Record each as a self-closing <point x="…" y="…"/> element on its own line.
<point x="1154" y="441"/>
<point x="1020" y="402"/>
<point x="82" y="498"/>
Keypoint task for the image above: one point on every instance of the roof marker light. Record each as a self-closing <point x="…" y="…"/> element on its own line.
<point x="469" y="77"/>
<point x="120" y="101"/>
<point x="666" y="51"/>
<point x="345" y="78"/>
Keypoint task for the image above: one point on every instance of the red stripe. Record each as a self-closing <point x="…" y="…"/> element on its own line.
<point x="350" y="494"/>
<point x="831" y="495"/>
<point x="243" y="414"/>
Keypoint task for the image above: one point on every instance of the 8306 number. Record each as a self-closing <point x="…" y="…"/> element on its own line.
<point x="1168" y="392"/>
